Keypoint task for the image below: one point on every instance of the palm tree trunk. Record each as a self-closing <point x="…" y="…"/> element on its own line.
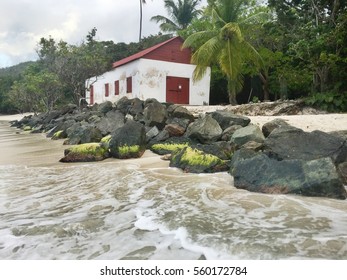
<point x="140" y="34"/>
<point x="232" y="92"/>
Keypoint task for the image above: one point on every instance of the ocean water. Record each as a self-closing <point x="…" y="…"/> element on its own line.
<point x="143" y="209"/>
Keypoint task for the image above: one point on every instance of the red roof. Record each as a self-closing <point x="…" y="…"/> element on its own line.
<point x="144" y="53"/>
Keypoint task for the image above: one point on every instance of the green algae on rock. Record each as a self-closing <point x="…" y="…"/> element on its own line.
<point x="196" y="161"/>
<point x="85" y="152"/>
<point x="167" y="148"/>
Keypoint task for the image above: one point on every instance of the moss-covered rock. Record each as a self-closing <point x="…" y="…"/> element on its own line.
<point x="196" y="161"/>
<point x="133" y="151"/>
<point x="59" y="135"/>
<point x="85" y="152"/>
<point x="27" y="128"/>
<point x="167" y="148"/>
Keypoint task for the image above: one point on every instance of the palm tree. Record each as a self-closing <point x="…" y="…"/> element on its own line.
<point x="224" y="44"/>
<point x="140" y="34"/>
<point x="181" y="15"/>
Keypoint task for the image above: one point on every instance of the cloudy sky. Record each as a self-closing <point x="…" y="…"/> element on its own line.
<point x="24" y="22"/>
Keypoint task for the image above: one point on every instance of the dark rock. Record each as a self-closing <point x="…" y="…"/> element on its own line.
<point x="151" y="133"/>
<point x="309" y="178"/>
<point x="297" y="144"/>
<point x="136" y="107"/>
<point x="342" y="170"/>
<point x="61" y="127"/>
<point x="128" y="141"/>
<point x="226" y="119"/>
<point x="85" y="152"/>
<point x="246" y="134"/>
<point x="111" y="122"/>
<point x="272" y="125"/>
<point x="155" y="114"/>
<point x="80" y="134"/>
<point x="170" y="145"/>
<point x="49" y="116"/>
<point x="252" y="145"/>
<point x="227" y="133"/>
<point x="123" y="105"/>
<point x="162" y="136"/>
<point x="205" y="130"/>
<point x="175" y="129"/>
<point x="222" y="149"/>
<point x="340" y="134"/>
<point x="195" y="161"/>
<point x="241" y="155"/>
<point x="105" y="107"/>
<point x="68" y="109"/>
<point x="180" y="112"/>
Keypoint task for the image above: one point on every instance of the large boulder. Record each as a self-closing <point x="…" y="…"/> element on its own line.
<point x="105" y="107"/>
<point x="79" y="134"/>
<point x="85" y="152"/>
<point x="170" y="145"/>
<point x="204" y="130"/>
<point x="123" y="105"/>
<point x="111" y="122"/>
<point x="176" y="111"/>
<point x="226" y="119"/>
<point x="247" y="134"/>
<point x="309" y="178"/>
<point x="272" y="125"/>
<point x="128" y="141"/>
<point x="297" y="144"/>
<point x="196" y="161"/>
<point x="155" y="114"/>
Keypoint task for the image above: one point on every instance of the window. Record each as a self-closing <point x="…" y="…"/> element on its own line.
<point x="129" y="85"/>
<point x="91" y="91"/>
<point x="116" y="88"/>
<point x="107" y="90"/>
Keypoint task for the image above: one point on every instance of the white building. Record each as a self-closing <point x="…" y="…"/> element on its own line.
<point x="162" y="72"/>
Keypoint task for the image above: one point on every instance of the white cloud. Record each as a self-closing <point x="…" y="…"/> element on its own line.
<point x="24" y="22"/>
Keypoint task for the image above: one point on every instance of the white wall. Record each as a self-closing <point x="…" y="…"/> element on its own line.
<point x="149" y="81"/>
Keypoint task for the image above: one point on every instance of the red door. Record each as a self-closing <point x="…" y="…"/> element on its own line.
<point x="177" y="90"/>
<point x="91" y="90"/>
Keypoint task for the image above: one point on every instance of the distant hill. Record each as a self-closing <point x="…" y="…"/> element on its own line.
<point x="16" y="70"/>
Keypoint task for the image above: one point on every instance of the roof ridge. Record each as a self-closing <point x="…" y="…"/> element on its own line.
<point x="142" y="53"/>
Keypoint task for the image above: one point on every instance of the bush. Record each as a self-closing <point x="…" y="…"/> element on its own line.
<point x="329" y="101"/>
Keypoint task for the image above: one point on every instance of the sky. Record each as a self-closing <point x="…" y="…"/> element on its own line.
<point x="24" y="22"/>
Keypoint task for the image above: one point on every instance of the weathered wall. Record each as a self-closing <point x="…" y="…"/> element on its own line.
<point x="149" y="81"/>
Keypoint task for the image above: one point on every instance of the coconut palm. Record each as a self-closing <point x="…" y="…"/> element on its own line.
<point x="181" y="13"/>
<point x="224" y="44"/>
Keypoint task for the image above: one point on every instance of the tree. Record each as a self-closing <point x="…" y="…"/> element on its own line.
<point x="74" y="64"/>
<point x="224" y="44"/>
<point x="181" y="13"/>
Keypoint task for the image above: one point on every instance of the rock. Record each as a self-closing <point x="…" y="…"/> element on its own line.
<point x="63" y="126"/>
<point x="272" y="125"/>
<point x="205" y="130"/>
<point x="61" y="134"/>
<point x="162" y="136"/>
<point x="123" y="105"/>
<point x="151" y="133"/>
<point x="136" y="107"/>
<point x="226" y="119"/>
<point x="80" y="134"/>
<point x="222" y="149"/>
<point x="175" y="129"/>
<point x="247" y="134"/>
<point x="180" y="112"/>
<point x="195" y="161"/>
<point x="105" y="107"/>
<point x="227" y="133"/>
<point x="85" y="152"/>
<point x="241" y="155"/>
<point x="297" y="144"/>
<point x="309" y="178"/>
<point x="128" y="141"/>
<point x="155" y="114"/>
<point x="252" y="145"/>
<point x="111" y="122"/>
<point x="171" y="145"/>
<point x="342" y="170"/>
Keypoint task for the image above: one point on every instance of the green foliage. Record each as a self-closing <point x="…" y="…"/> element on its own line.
<point x="181" y="14"/>
<point x="196" y="157"/>
<point x="224" y="44"/>
<point x="330" y="101"/>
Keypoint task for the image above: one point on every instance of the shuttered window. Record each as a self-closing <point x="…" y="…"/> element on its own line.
<point x="129" y="85"/>
<point x="107" y="90"/>
<point x="116" y="88"/>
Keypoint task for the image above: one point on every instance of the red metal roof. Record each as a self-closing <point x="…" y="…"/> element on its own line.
<point x="143" y="53"/>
